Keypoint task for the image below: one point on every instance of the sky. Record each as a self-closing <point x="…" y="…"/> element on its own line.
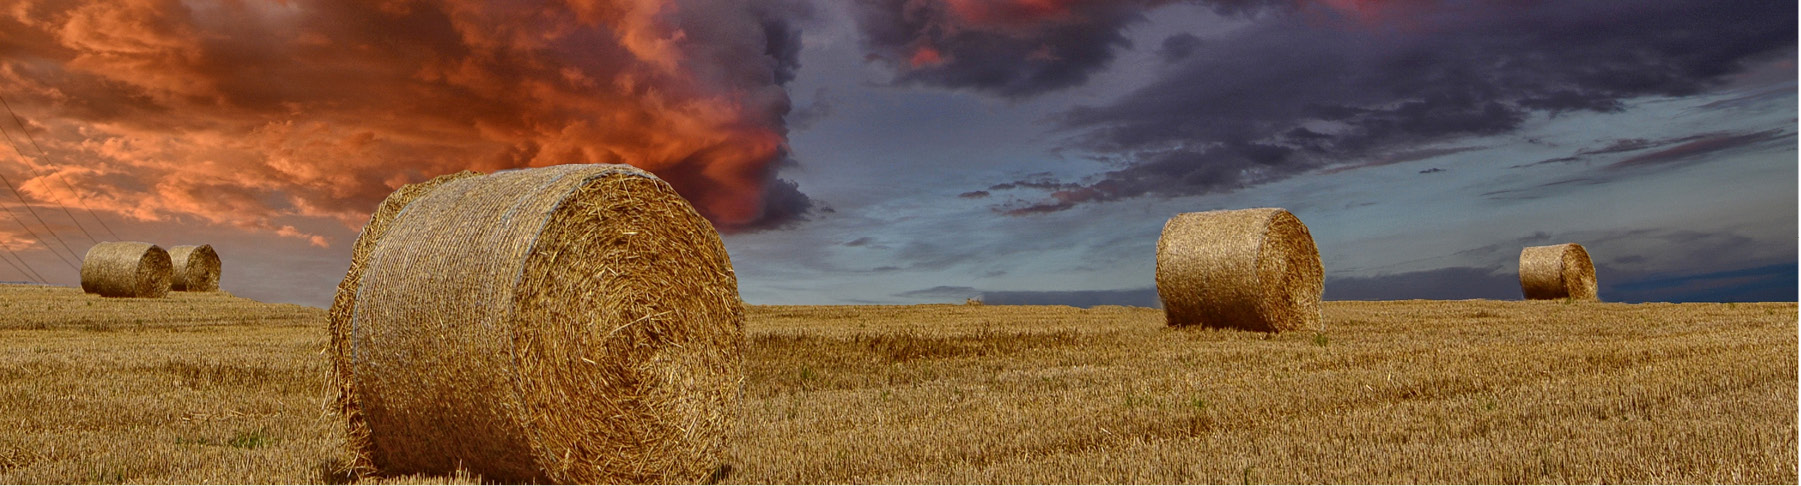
<point x="916" y="151"/>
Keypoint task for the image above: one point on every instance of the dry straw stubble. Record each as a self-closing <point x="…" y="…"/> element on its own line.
<point x="196" y="268"/>
<point x="1557" y="272"/>
<point x="574" y="323"/>
<point x="1252" y="269"/>
<point x="126" y="269"/>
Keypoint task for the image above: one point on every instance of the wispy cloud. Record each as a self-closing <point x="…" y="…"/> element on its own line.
<point x="1701" y="146"/>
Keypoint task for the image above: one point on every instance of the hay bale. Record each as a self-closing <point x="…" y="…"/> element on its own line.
<point x="126" y="269"/>
<point x="1557" y="272"/>
<point x="196" y="268"/>
<point x="1251" y="269"/>
<point x="357" y="443"/>
<point x="576" y="323"/>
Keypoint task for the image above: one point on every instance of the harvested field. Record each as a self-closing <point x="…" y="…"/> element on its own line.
<point x="212" y="388"/>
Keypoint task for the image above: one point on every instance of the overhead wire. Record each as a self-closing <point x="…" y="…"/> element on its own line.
<point x="65" y="181"/>
<point x="27" y="271"/>
<point x="35" y="173"/>
<point x="35" y="215"/>
<point x="35" y="237"/>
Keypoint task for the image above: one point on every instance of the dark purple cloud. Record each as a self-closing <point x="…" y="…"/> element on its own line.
<point x="1178" y="47"/>
<point x="1017" y="48"/>
<point x="783" y="207"/>
<point x="1296" y="92"/>
<point x="1010" y="48"/>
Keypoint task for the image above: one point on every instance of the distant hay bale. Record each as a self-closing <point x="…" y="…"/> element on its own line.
<point x="1557" y="272"/>
<point x="1251" y="269"/>
<point x="575" y="323"/>
<point x="196" y="268"/>
<point x="126" y="269"/>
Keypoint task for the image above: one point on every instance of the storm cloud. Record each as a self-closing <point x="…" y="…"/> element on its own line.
<point x="1297" y="92"/>
<point x="276" y="116"/>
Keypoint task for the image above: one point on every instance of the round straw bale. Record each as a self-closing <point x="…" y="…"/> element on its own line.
<point x="1557" y="272"/>
<point x="125" y="269"/>
<point x="1251" y="269"/>
<point x="575" y="323"/>
<point x="196" y="268"/>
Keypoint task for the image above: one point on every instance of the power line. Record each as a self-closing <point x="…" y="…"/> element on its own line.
<point x="9" y="141"/>
<point x="34" y="212"/>
<point x="34" y="234"/>
<point x="27" y="271"/>
<point x="64" y="180"/>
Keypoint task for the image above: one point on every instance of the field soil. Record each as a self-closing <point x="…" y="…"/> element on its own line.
<point x="207" y="387"/>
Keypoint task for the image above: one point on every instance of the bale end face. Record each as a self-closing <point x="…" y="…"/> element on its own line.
<point x="1557" y="272"/>
<point x="1251" y="269"/>
<point x="126" y="269"/>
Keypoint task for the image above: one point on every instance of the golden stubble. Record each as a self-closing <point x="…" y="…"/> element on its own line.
<point x="212" y="388"/>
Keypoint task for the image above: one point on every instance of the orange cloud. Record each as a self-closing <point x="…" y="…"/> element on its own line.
<point x="262" y="114"/>
<point x="925" y="56"/>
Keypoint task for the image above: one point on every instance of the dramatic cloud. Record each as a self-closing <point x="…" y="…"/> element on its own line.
<point x="1023" y="48"/>
<point x="1012" y="48"/>
<point x="1672" y="152"/>
<point x="1300" y="91"/>
<point x="268" y="115"/>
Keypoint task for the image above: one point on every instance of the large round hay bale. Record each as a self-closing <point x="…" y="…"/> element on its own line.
<point x="1557" y="272"/>
<point x="125" y="269"/>
<point x="1251" y="269"/>
<point x="196" y="268"/>
<point x="357" y="442"/>
<point x="576" y="323"/>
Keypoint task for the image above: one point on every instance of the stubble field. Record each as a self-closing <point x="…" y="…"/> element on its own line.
<point x="212" y="388"/>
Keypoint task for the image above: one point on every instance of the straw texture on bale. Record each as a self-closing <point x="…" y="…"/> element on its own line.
<point x="1557" y="272"/>
<point x="576" y="323"/>
<point x="126" y="269"/>
<point x="1251" y="269"/>
<point x="196" y="268"/>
